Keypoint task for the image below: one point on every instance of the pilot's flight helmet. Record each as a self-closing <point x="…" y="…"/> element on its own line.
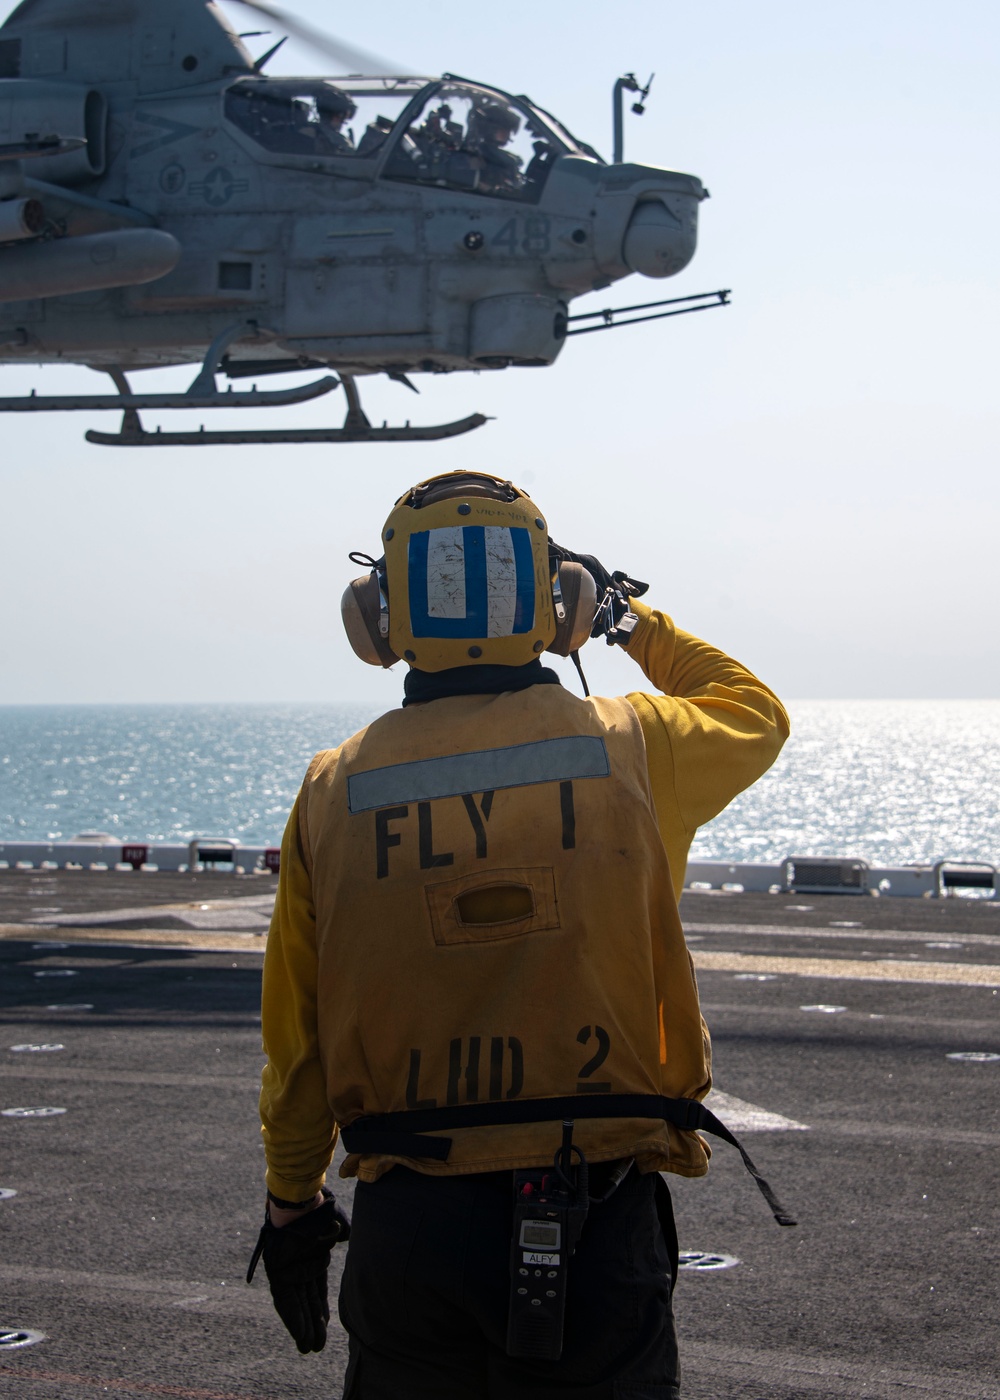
<point x="332" y="102"/>
<point x="466" y="581"/>
<point x="496" y="114"/>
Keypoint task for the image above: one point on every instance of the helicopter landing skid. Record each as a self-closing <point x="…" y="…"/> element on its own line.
<point x="356" y="427"/>
<point x="129" y="402"/>
<point x="202" y="438"/>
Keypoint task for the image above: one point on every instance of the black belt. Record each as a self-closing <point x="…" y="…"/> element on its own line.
<point x="401" y="1134"/>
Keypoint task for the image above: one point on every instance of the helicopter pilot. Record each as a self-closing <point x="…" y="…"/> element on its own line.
<point x="439" y="129"/>
<point x="333" y="109"/>
<point x="491" y="127"/>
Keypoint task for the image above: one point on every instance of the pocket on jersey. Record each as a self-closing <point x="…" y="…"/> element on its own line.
<point x="493" y="904"/>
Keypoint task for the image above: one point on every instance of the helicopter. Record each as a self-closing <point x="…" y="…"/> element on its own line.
<point x="166" y="201"/>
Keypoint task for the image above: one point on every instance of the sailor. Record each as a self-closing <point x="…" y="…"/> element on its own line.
<point x="476" y="934"/>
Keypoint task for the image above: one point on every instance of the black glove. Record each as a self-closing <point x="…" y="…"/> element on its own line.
<point x="613" y="590"/>
<point x="296" y="1259"/>
<point x="594" y="567"/>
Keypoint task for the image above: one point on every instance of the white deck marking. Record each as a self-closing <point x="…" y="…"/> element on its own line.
<point x="30" y="1112"/>
<point x="698" y="1261"/>
<point x="149" y="1290"/>
<point x="848" y="969"/>
<point x="251" y="912"/>
<point x="742" y="1117"/>
<point x="196" y="940"/>
<point x="868" y="935"/>
<point x="780" y="1371"/>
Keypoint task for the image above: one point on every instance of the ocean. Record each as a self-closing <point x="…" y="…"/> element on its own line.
<point x="889" y="781"/>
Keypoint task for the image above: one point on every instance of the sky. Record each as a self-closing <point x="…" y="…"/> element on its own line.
<point x="806" y="478"/>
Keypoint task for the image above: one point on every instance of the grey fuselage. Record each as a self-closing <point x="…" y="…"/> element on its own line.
<point x="328" y="258"/>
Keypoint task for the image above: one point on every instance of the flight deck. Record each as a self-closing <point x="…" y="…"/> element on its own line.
<point x="857" y="1048"/>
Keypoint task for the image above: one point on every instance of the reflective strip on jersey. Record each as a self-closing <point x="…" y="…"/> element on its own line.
<point x="519" y="765"/>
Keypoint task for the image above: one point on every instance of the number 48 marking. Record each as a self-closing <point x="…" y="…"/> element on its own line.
<point x="530" y="234"/>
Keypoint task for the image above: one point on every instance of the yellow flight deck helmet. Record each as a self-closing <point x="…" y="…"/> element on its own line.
<point x="466" y="581"/>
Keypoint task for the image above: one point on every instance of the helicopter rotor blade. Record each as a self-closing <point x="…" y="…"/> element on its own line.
<point x="348" y="58"/>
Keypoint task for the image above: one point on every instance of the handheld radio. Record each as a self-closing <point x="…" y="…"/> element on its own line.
<point x="550" y="1208"/>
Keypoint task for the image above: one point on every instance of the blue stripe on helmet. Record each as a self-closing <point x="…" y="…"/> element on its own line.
<point x="524" y="564"/>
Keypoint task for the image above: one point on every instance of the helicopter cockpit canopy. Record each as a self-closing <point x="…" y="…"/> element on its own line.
<point x="319" y="116"/>
<point x="452" y="133"/>
<point x="478" y="140"/>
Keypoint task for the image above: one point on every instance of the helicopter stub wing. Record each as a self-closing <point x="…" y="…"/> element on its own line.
<point x="93" y="262"/>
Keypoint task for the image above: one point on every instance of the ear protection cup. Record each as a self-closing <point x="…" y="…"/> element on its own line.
<point x="359" y="608"/>
<point x="579" y="594"/>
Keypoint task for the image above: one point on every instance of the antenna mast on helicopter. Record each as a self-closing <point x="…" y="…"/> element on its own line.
<point x="627" y="83"/>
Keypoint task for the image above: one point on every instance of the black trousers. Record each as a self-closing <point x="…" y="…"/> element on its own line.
<point x="425" y="1292"/>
